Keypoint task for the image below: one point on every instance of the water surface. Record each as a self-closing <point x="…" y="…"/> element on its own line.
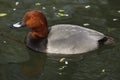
<point x="19" y="63"/>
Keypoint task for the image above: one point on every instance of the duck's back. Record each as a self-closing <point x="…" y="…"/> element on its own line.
<point x="72" y="39"/>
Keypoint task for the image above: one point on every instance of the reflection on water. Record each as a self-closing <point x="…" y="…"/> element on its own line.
<point x="19" y="63"/>
<point x="28" y="70"/>
<point x="34" y="67"/>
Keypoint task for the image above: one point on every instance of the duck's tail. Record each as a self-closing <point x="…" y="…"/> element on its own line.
<point x="106" y="41"/>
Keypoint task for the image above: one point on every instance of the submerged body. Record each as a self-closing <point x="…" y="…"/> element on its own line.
<point x="61" y="38"/>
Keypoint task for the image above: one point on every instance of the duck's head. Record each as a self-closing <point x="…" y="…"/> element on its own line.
<point x="36" y="21"/>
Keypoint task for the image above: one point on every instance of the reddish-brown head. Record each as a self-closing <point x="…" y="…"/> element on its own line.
<point x="36" y="21"/>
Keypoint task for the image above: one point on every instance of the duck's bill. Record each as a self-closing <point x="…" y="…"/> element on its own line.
<point x="18" y="24"/>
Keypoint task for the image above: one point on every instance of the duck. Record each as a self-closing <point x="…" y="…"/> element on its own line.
<point x="59" y="38"/>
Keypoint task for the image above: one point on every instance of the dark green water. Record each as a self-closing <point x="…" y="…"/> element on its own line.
<point x="19" y="63"/>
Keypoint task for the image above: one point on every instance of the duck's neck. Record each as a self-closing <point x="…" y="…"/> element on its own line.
<point x="36" y="43"/>
<point x="39" y="33"/>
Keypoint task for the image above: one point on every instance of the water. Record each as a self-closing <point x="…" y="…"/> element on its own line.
<point x="19" y="63"/>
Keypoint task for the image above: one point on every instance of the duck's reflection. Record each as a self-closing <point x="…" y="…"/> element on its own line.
<point x="29" y="70"/>
<point x="34" y="67"/>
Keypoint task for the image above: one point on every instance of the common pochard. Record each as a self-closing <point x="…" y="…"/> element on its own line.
<point x="60" y="38"/>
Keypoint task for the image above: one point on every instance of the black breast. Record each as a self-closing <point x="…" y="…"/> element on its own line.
<point x="36" y="44"/>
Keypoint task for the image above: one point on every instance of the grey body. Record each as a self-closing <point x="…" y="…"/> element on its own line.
<point x="72" y="39"/>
